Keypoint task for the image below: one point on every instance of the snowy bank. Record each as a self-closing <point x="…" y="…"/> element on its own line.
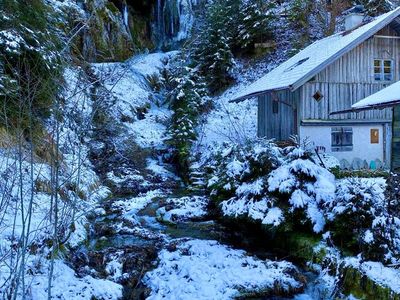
<point x="183" y="209"/>
<point x="208" y="270"/>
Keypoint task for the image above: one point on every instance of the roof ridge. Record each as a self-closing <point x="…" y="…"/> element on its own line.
<point x="292" y="74"/>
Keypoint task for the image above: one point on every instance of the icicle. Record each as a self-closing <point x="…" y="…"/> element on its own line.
<point x="126" y="16"/>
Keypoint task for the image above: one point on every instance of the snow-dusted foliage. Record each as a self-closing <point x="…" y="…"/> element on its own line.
<point x="274" y="186"/>
<point x="30" y="70"/>
<point x="255" y="22"/>
<point x="187" y="95"/>
<point x="265" y="183"/>
<point x="47" y="187"/>
<point x="239" y="180"/>
<point x="364" y="219"/>
<point x="200" y="269"/>
<point x="308" y="185"/>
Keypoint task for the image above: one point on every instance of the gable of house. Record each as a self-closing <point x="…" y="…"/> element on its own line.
<point x="300" y="68"/>
<point x="351" y="78"/>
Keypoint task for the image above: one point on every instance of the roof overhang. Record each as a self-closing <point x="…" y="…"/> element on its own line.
<point x="368" y="107"/>
<point x="393" y="17"/>
<point x="253" y="95"/>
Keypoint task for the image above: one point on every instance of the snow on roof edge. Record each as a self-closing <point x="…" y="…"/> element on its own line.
<point x="388" y="96"/>
<point x="359" y="38"/>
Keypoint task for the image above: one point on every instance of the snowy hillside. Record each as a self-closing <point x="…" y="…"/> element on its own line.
<point x="127" y="172"/>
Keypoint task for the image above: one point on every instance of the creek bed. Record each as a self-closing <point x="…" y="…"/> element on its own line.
<point x="162" y="234"/>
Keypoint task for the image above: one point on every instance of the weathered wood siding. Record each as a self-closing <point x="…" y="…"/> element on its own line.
<point x="337" y="97"/>
<point x="396" y="140"/>
<point x="279" y="125"/>
<point x="350" y="79"/>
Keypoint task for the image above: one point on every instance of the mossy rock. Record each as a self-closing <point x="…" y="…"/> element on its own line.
<point x="301" y="246"/>
<point x="361" y="286"/>
<point x="106" y="38"/>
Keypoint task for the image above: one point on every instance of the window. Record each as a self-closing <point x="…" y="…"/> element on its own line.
<point x="318" y="96"/>
<point x="383" y="69"/>
<point x="342" y="139"/>
<point x="374" y="136"/>
<point x="275" y="107"/>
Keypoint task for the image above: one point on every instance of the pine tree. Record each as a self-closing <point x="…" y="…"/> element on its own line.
<point x="375" y="7"/>
<point x="213" y="52"/>
<point x="188" y="100"/>
<point x="254" y="24"/>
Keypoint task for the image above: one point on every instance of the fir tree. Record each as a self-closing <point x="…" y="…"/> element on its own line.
<point x="187" y="100"/>
<point x="254" y="25"/>
<point x="375" y="7"/>
<point x="213" y="52"/>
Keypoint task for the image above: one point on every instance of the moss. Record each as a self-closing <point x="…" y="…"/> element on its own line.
<point x="106" y="33"/>
<point x="340" y="174"/>
<point x="301" y="245"/>
<point x="140" y="34"/>
<point x="111" y="6"/>
<point x="359" y="285"/>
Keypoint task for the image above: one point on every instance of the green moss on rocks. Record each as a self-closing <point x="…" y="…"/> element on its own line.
<point x="106" y="38"/>
<point x="359" y="285"/>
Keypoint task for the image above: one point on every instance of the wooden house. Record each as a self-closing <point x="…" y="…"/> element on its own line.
<point x="300" y="95"/>
<point x="386" y="98"/>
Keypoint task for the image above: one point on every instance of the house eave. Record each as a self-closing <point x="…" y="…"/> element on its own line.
<point x="349" y="122"/>
<point x="379" y="106"/>
<point x="253" y="95"/>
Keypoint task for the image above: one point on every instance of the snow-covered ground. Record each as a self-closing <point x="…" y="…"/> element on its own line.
<point x="28" y="202"/>
<point x="138" y="107"/>
<point x="183" y="209"/>
<point x="200" y="269"/>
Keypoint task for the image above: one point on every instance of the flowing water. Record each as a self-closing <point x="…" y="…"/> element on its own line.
<point x="163" y="233"/>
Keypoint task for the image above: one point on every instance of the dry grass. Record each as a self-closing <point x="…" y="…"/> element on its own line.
<point x="7" y="140"/>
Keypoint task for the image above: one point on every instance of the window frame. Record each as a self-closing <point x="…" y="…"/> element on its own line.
<point x="381" y="74"/>
<point x="342" y="139"/>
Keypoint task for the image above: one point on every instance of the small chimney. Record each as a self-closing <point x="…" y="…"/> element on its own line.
<point x="354" y="17"/>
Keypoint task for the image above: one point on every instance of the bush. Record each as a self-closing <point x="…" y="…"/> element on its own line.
<point x="284" y="189"/>
<point x="266" y="183"/>
<point x="361" y="221"/>
<point x="30" y="62"/>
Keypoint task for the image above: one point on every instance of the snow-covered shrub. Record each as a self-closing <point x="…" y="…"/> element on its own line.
<point x="263" y="182"/>
<point x="239" y="178"/>
<point x="307" y="185"/>
<point x="361" y="221"/>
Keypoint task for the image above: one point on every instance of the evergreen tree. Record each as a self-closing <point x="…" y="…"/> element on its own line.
<point x="375" y="7"/>
<point x="254" y="25"/>
<point x="188" y="100"/>
<point x="299" y="17"/>
<point x="213" y="52"/>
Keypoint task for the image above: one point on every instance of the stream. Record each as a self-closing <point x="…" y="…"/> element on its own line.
<point x="134" y="238"/>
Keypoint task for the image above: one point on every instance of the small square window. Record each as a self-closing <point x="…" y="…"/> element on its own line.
<point x="342" y="139"/>
<point x="318" y="96"/>
<point x="383" y="70"/>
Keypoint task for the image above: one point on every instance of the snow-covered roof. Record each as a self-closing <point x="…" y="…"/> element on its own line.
<point x="307" y="63"/>
<point x="384" y="98"/>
